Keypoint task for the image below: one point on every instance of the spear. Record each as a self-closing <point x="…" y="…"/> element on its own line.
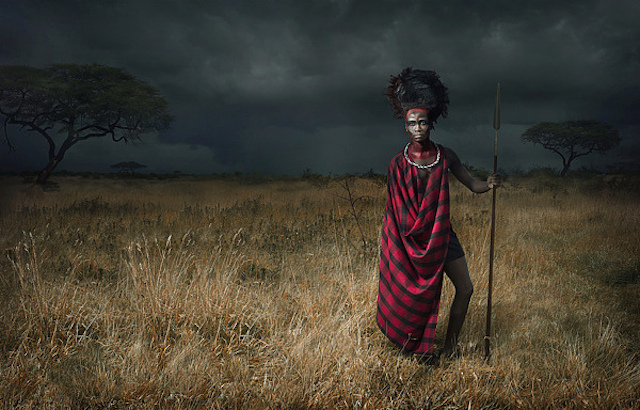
<point x="496" y="127"/>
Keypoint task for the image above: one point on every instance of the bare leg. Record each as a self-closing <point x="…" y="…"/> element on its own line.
<point x="458" y="272"/>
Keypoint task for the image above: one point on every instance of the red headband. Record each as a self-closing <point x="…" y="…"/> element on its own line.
<point x="424" y="110"/>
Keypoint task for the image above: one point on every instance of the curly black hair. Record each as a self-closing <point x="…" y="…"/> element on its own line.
<point x="418" y="89"/>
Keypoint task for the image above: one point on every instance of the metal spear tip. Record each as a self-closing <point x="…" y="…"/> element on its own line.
<point x="496" y="112"/>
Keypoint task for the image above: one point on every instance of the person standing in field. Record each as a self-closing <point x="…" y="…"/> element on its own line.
<point x="418" y="243"/>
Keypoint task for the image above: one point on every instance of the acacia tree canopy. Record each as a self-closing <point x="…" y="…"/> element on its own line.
<point x="573" y="139"/>
<point x="69" y="103"/>
<point x="128" y="166"/>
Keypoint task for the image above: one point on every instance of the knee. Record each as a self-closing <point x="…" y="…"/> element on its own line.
<point x="465" y="291"/>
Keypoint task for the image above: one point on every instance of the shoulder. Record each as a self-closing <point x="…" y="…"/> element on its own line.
<point x="397" y="159"/>
<point x="450" y="155"/>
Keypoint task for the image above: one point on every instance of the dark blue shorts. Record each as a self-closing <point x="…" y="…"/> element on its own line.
<point x="455" y="250"/>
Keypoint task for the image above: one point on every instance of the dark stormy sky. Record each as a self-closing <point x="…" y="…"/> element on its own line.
<point x="283" y="86"/>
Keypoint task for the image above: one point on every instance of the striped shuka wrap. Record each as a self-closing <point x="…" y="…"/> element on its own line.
<point x="415" y="237"/>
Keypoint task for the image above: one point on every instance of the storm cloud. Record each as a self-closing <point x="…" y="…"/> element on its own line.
<point x="280" y="87"/>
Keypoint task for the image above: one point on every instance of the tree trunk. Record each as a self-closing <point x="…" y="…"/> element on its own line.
<point x="54" y="159"/>
<point x="44" y="174"/>
<point x="565" y="169"/>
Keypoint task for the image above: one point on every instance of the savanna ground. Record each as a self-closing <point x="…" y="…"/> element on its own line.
<point x="226" y="293"/>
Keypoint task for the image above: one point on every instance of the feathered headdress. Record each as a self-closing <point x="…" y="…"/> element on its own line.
<point x="418" y="89"/>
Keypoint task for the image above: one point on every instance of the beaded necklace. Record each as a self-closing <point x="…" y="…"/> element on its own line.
<point x="406" y="156"/>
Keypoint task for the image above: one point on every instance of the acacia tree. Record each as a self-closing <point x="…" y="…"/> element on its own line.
<point x="70" y="103"/>
<point x="573" y="139"/>
<point x="128" y="166"/>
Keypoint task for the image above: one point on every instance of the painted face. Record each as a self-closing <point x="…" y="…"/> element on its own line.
<point x="417" y="125"/>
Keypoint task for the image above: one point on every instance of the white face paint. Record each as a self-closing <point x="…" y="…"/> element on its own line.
<point x="417" y="126"/>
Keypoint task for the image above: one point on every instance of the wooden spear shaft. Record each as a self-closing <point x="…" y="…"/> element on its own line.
<point x="496" y="127"/>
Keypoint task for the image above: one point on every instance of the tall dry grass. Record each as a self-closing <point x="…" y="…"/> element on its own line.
<point x="218" y="294"/>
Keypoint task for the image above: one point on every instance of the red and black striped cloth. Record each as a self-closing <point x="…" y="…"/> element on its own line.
<point x="415" y="237"/>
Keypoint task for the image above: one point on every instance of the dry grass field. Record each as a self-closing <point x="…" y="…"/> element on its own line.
<point x="228" y="294"/>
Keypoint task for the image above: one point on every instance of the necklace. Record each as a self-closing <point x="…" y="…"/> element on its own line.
<point x="435" y="161"/>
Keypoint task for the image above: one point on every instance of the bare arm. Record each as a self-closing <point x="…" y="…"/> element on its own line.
<point x="460" y="172"/>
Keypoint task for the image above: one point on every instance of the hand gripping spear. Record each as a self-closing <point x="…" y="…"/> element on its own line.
<point x="496" y="126"/>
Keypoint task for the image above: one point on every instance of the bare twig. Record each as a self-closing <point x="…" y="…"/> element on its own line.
<point x="346" y="184"/>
